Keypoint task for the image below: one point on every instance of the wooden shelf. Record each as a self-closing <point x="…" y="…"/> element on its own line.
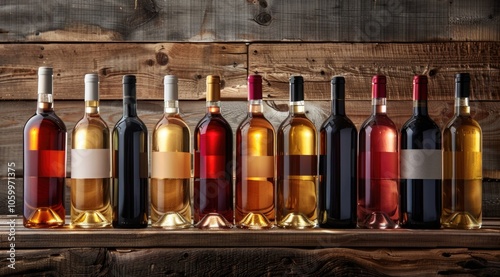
<point x="486" y="238"/>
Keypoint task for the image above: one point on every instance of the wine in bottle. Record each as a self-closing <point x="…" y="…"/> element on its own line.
<point x="338" y="164"/>
<point x="378" y="167"/>
<point x="130" y="163"/>
<point x="255" y="150"/>
<point x="421" y="158"/>
<point x="213" y="173"/>
<point x="90" y="164"/>
<point x="297" y="175"/>
<point x="462" y="164"/>
<point x="44" y="161"/>
<point x="171" y="165"/>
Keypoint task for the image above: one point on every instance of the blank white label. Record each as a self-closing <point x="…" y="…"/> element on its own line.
<point x="421" y="164"/>
<point x="90" y="163"/>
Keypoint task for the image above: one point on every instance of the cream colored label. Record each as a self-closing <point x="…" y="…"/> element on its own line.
<point x="171" y="165"/>
<point x="90" y="163"/>
<point x="258" y="166"/>
<point x="421" y="164"/>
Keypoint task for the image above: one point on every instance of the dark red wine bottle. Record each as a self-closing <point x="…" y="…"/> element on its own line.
<point x="338" y="164"/>
<point x="213" y="172"/>
<point x="130" y="163"/>
<point x="421" y="159"/>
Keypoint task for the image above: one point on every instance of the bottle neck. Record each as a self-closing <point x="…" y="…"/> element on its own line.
<point x="462" y="106"/>
<point x="338" y="107"/>
<point x="44" y="103"/>
<point x="171" y="107"/>
<point x="379" y="105"/>
<point x="420" y="107"/>
<point x="213" y="107"/>
<point x="297" y="107"/>
<point x="255" y="106"/>
<point x="91" y="107"/>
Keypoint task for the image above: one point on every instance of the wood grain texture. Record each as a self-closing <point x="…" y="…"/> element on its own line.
<point x="254" y="262"/>
<point x="250" y="20"/>
<point x="150" y="62"/>
<point x="318" y="62"/>
<point x="192" y="62"/>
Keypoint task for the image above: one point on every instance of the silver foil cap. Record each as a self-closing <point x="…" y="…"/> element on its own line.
<point x="45" y="80"/>
<point x="170" y="88"/>
<point x="91" y="87"/>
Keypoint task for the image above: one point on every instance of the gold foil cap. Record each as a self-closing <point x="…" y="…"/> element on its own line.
<point x="213" y="88"/>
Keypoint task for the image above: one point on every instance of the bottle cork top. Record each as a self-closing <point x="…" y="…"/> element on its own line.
<point x="45" y="80"/>
<point x="91" y="87"/>
<point x="338" y="87"/>
<point x="296" y="88"/>
<point x="420" y="87"/>
<point x="171" y="91"/>
<point x="379" y="86"/>
<point x="254" y="87"/>
<point x="213" y="88"/>
<point x="462" y="85"/>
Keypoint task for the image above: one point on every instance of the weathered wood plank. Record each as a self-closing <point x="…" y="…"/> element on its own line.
<point x="254" y="262"/>
<point x="150" y="62"/>
<point x="247" y="20"/>
<point x="16" y="113"/>
<point x="318" y="62"/>
<point x="487" y="237"/>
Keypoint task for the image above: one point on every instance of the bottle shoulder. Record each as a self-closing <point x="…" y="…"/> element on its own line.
<point x="337" y="122"/>
<point x="213" y="121"/>
<point x="171" y="121"/>
<point x="378" y="120"/>
<point x="257" y="122"/>
<point x="46" y="120"/>
<point x="94" y="121"/>
<point x="130" y="124"/>
<point x="419" y="123"/>
<point x="462" y="124"/>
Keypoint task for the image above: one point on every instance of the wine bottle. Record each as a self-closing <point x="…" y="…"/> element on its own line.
<point x="255" y="150"/>
<point x="378" y="167"/>
<point x="462" y="164"/>
<point x="421" y="158"/>
<point x="297" y="176"/>
<point x="44" y="161"/>
<point x="90" y="164"/>
<point x="171" y="165"/>
<point x="338" y="164"/>
<point x="130" y="163"/>
<point x="213" y="173"/>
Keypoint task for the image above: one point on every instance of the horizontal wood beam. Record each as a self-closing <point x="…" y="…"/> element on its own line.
<point x="245" y="20"/>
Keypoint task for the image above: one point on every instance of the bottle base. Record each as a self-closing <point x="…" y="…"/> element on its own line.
<point x="296" y="221"/>
<point x="213" y="221"/>
<point x="90" y="219"/>
<point x="255" y="221"/>
<point x="377" y="220"/>
<point x="171" y="220"/>
<point x="43" y="218"/>
<point x="461" y="220"/>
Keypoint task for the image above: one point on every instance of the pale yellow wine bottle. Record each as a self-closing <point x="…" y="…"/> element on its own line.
<point x="90" y="164"/>
<point x="462" y="164"/>
<point x="171" y="165"/>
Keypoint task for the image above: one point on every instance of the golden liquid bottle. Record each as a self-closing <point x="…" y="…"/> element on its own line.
<point x="462" y="164"/>
<point x="255" y="161"/>
<point x="90" y="164"/>
<point x="171" y="165"/>
<point x="297" y="175"/>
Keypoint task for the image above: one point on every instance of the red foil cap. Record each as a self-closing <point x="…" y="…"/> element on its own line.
<point x="420" y="87"/>
<point x="378" y="86"/>
<point x="254" y="87"/>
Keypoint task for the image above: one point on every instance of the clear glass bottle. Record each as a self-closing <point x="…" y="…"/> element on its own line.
<point x="462" y="164"/>
<point x="130" y="163"/>
<point x="338" y="164"/>
<point x="44" y="143"/>
<point x="378" y="166"/>
<point x="255" y="170"/>
<point x="171" y="165"/>
<point x="297" y="175"/>
<point x="421" y="158"/>
<point x="213" y="162"/>
<point x="90" y="164"/>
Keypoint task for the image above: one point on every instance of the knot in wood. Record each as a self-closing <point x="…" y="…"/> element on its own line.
<point x="161" y="58"/>
<point x="263" y="18"/>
